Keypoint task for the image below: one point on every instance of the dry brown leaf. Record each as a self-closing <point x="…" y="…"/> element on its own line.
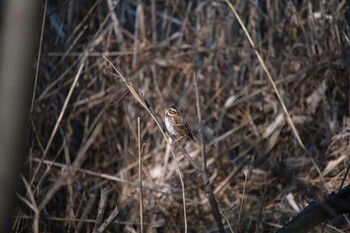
<point x="317" y="95"/>
<point x="292" y="203"/>
<point x="300" y="120"/>
<point x="230" y="100"/>
<point x="332" y="164"/>
<point x="274" y="125"/>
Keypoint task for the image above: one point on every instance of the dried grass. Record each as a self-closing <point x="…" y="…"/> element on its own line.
<point x="261" y="176"/>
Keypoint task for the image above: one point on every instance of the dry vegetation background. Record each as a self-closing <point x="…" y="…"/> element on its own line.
<point x="260" y="174"/>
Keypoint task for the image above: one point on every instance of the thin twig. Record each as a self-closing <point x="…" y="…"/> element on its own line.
<point x="120" y="99"/>
<point x="242" y="201"/>
<point x="211" y="196"/>
<point x="39" y="57"/>
<point x="140" y="172"/>
<point x="116" y="25"/>
<point x="31" y="204"/>
<point x="87" y="209"/>
<point x="136" y="33"/>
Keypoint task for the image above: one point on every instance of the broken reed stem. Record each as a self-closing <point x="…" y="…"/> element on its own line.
<point x="140" y="172"/>
<point x="101" y="208"/>
<point x="210" y="193"/>
<point x="108" y="220"/>
<point x="139" y="97"/>
<point x="102" y="225"/>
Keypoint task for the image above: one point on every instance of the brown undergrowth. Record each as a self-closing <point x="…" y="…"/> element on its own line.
<point x="83" y="137"/>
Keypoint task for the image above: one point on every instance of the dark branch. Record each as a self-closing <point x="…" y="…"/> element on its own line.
<point x="101" y="226"/>
<point x="319" y="212"/>
<point x="101" y="208"/>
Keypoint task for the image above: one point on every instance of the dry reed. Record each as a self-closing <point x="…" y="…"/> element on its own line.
<point x="83" y="132"/>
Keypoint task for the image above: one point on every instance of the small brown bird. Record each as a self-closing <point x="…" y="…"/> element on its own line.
<point x="176" y="125"/>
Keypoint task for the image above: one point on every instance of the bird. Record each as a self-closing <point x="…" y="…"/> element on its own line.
<point x="176" y="125"/>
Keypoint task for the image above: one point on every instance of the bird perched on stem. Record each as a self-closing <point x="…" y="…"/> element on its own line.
<point x="176" y="125"/>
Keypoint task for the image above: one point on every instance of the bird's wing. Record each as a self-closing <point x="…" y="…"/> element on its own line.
<point x="183" y="126"/>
